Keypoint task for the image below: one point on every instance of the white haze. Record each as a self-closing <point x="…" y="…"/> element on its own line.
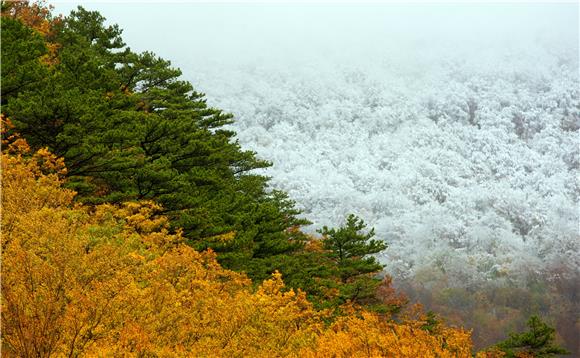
<point x="452" y="129"/>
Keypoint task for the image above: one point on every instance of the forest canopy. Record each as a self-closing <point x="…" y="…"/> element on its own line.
<point x="133" y="222"/>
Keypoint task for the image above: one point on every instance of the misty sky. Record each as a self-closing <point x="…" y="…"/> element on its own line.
<point x="191" y="34"/>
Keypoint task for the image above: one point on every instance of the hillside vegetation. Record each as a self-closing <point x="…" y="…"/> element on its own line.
<point x="133" y="223"/>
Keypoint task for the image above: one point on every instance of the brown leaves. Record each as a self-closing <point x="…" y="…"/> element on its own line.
<point x="387" y="294"/>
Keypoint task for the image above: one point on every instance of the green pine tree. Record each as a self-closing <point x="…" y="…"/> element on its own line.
<point x="349" y="247"/>
<point x="130" y="129"/>
<point x="22" y="49"/>
<point x="538" y="341"/>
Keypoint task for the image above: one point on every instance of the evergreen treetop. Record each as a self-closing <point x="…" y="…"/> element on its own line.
<point x="538" y="341"/>
<point x="129" y="128"/>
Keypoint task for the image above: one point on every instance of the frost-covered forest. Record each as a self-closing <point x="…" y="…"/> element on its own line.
<point x="463" y="154"/>
<point x="470" y="170"/>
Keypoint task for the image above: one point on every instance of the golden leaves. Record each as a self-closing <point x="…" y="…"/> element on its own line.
<point x="113" y="280"/>
<point x="223" y="238"/>
<point x="30" y="184"/>
<point x="37" y="16"/>
<point x="365" y="335"/>
<point x="11" y="141"/>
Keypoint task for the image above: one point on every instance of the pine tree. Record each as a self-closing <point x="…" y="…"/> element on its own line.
<point x="349" y="247"/>
<point x="22" y="49"/>
<point x="538" y="341"/>
<point x="129" y="128"/>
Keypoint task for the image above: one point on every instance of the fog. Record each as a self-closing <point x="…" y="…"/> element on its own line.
<point x="232" y="34"/>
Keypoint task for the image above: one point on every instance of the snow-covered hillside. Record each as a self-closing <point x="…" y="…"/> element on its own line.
<point x="467" y="167"/>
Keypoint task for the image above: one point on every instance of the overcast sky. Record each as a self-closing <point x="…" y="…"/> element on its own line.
<point x="194" y="33"/>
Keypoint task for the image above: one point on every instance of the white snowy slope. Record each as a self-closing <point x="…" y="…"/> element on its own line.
<point x="465" y="161"/>
<point x="473" y="170"/>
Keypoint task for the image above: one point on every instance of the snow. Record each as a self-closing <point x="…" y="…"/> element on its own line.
<point x="464" y="160"/>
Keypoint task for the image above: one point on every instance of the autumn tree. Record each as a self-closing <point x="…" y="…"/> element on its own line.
<point x="364" y="334"/>
<point x="111" y="280"/>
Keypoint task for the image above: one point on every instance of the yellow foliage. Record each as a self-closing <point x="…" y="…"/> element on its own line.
<point x="30" y="185"/>
<point x="115" y="281"/>
<point x="11" y="142"/>
<point x="490" y="353"/>
<point x="364" y="334"/>
<point x="36" y="15"/>
<point x="227" y="237"/>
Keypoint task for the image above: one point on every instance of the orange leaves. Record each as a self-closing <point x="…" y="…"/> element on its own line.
<point x="314" y="245"/>
<point x="49" y="163"/>
<point x="30" y="184"/>
<point x="387" y="294"/>
<point x="366" y="335"/>
<point x="288" y="320"/>
<point x="113" y="280"/>
<point x="64" y="285"/>
<point x="490" y="353"/>
<point x="212" y="312"/>
<point x="142" y="216"/>
<point x="37" y="16"/>
<point x="11" y="141"/>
